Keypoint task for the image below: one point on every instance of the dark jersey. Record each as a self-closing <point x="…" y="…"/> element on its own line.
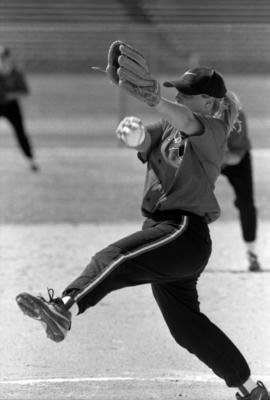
<point x="13" y="82"/>
<point x="182" y="170"/>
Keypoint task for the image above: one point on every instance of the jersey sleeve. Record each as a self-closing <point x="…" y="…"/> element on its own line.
<point x="210" y="146"/>
<point x="153" y="137"/>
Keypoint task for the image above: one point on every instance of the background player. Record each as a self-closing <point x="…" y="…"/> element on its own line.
<point x="238" y="170"/>
<point x="12" y="87"/>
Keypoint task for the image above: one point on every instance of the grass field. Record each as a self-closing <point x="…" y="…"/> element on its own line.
<point x="80" y="95"/>
<point x="82" y="185"/>
<point x="75" y="110"/>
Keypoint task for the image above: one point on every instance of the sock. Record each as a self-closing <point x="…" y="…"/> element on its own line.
<point x="74" y="309"/>
<point x="251" y="246"/>
<point x="248" y="386"/>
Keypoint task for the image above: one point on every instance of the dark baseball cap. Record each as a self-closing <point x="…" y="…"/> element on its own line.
<point x="200" y="80"/>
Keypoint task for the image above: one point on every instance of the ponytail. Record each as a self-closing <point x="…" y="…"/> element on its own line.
<point x="227" y="109"/>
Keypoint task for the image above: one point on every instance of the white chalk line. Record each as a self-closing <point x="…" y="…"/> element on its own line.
<point x="196" y="377"/>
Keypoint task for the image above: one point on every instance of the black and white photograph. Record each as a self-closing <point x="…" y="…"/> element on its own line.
<point x="134" y="199"/>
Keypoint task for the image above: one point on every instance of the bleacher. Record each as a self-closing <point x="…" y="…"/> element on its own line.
<point x="66" y="36"/>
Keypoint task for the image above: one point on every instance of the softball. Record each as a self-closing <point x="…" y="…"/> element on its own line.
<point x="133" y="132"/>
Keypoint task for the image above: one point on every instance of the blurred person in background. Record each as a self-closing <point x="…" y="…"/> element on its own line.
<point x="238" y="170"/>
<point x="13" y="87"/>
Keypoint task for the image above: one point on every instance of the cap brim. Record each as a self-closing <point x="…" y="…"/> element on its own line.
<point x="178" y="85"/>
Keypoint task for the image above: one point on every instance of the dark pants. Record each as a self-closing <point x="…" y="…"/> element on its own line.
<point x="240" y="177"/>
<point x="170" y="253"/>
<point x="12" y="112"/>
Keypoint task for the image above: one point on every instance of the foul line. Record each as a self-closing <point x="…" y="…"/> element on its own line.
<point x="202" y="378"/>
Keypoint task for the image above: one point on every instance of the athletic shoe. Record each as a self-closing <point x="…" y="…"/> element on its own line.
<point x="259" y="393"/>
<point x="254" y="265"/>
<point x="53" y="315"/>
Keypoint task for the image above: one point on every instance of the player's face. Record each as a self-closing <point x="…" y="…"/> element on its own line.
<point x="201" y="103"/>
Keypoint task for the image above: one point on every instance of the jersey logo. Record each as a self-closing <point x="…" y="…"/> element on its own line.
<point x="189" y="73"/>
<point x="173" y="148"/>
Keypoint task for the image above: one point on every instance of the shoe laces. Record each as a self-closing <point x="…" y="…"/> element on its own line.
<point x="51" y="299"/>
<point x="259" y="384"/>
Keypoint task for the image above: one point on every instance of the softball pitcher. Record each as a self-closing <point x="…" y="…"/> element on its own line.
<point x="183" y="153"/>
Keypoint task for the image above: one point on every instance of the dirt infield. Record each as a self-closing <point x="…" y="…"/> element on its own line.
<point x="122" y="346"/>
<point x="77" y="109"/>
<point x="51" y="224"/>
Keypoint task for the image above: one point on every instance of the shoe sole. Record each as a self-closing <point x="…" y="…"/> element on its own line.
<point x="255" y="269"/>
<point x="36" y="309"/>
